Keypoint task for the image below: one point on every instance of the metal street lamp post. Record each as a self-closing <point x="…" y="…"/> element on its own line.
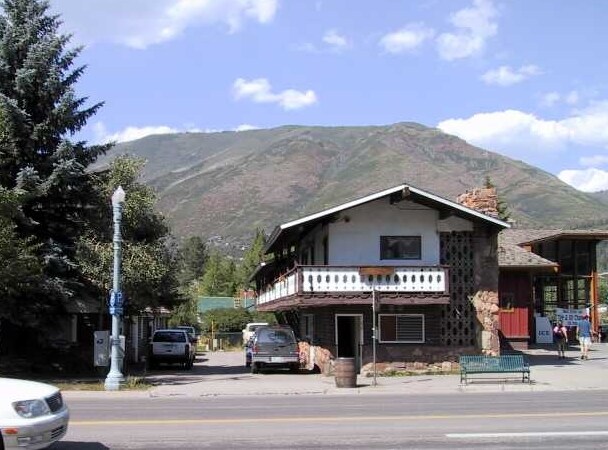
<point x="115" y="378"/>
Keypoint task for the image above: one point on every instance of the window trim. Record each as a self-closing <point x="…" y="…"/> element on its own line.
<point x="383" y="244"/>
<point x="422" y="341"/>
<point x="307" y="319"/>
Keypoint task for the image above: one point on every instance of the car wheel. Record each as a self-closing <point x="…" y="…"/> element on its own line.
<point x="255" y="368"/>
<point x="152" y="364"/>
<point x="294" y="368"/>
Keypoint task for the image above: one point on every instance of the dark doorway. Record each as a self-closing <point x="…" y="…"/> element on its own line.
<point x="346" y="336"/>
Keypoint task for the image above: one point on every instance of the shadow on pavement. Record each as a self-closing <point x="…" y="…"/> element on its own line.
<point x="67" y="445"/>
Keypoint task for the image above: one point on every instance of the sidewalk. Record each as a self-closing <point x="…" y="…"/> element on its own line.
<point x="223" y="373"/>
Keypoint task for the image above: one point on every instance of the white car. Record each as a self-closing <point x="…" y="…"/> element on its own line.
<point x="250" y="329"/>
<point x="32" y="415"/>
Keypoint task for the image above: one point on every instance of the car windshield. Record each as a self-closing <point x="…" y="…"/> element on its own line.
<point x="169" y="336"/>
<point x="275" y="336"/>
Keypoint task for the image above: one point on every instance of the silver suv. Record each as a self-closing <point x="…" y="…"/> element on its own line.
<point x="274" y="346"/>
<point x="171" y="346"/>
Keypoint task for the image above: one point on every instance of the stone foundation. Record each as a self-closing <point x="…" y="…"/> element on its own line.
<point x="391" y="359"/>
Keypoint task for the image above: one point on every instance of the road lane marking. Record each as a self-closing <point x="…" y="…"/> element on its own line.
<point x="333" y="419"/>
<point x="526" y="434"/>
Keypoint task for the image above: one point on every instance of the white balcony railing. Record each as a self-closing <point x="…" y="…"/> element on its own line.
<point x="348" y="279"/>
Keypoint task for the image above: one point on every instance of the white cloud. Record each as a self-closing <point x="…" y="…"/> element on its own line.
<point x="572" y="97"/>
<point x="102" y="136"/>
<point x="524" y="136"/>
<point x="141" y="23"/>
<point x="474" y="26"/>
<point x="588" y="180"/>
<point x="246" y="127"/>
<point x="594" y="161"/>
<point x="552" y="98"/>
<point x="260" y="91"/>
<point x="336" y="41"/>
<point x="332" y="41"/>
<point x="407" y="38"/>
<point x="506" y="76"/>
<point x="517" y="133"/>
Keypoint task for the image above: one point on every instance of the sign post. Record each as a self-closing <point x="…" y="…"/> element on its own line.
<point x="373" y="273"/>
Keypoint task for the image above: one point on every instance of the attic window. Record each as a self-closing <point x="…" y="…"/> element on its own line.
<point x="400" y="247"/>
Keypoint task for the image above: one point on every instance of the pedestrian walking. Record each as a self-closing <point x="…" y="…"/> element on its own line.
<point x="560" y="335"/>
<point x="583" y="334"/>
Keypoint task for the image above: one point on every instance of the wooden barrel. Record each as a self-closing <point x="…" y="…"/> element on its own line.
<point x="345" y="373"/>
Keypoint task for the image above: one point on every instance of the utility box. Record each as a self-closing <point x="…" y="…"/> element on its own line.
<point x="101" y="348"/>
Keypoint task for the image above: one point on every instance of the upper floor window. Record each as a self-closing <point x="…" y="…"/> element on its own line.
<point x="400" y="247"/>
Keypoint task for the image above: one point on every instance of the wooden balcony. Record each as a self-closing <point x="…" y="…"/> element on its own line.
<point x="405" y="282"/>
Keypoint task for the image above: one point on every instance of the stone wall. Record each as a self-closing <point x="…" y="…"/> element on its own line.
<point x="483" y="200"/>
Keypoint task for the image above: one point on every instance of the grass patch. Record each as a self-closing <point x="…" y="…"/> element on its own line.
<point x="130" y="384"/>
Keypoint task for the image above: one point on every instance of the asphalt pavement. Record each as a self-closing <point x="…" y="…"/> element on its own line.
<point x="224" y="374"/>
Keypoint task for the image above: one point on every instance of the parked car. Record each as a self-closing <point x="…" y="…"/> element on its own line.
<point x="171" y="346"/>
<point x="274" y="346"/>
<point x="32" y="415"/>
<point x="191" y="332"/>
<point x="250" y="329"/>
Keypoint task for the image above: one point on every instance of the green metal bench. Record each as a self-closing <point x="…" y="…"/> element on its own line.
<point x="474" y="364"/>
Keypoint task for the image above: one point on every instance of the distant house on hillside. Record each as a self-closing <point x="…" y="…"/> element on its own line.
<point x="430" y="264"/>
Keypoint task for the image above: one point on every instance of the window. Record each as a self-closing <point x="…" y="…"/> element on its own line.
<point x="507" y="300"/>
<point x="403" y="328"/>
<point x="306" y="327"/>
<point x="400" y="247"/>
<point x="169" y="336"/>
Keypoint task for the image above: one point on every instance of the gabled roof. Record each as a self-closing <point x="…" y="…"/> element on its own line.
<point x="512" y="255"/>
<point x="530" y="236"/>
<point x="301" y="226"/>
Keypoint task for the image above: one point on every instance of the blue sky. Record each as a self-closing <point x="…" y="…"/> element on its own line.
<point x="523" y="78"/>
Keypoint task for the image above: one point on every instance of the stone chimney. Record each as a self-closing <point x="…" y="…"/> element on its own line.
<point x="483" y="200"/>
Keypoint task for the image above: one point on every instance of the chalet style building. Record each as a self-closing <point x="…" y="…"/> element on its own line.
<point x="430" y="265"/>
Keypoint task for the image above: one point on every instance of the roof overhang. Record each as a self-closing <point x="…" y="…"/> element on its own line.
<point x="290" y="231"/>
<point x="582" y="235"/>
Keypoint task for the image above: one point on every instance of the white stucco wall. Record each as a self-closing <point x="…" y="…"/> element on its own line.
<point x="356" y="240"/>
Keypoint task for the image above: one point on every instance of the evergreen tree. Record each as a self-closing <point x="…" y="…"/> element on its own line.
<point x="253" y="256"/>
<point x="20" y="270"/>
<point x="39" y="112"/>
<point x="193" y="254"/>
<point x="501" y="207"/>
<point x="219" y="277"/>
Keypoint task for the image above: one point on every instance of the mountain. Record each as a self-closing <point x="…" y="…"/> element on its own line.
<point x="224" y="185"/>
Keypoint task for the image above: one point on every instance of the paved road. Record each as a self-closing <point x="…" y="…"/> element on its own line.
<point x="459" y="421"/>
<point x="220" y="405"/>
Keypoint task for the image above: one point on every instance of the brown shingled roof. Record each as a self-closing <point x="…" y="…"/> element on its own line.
<point x="512" y="255"/>
<point x="522" y="236"/>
